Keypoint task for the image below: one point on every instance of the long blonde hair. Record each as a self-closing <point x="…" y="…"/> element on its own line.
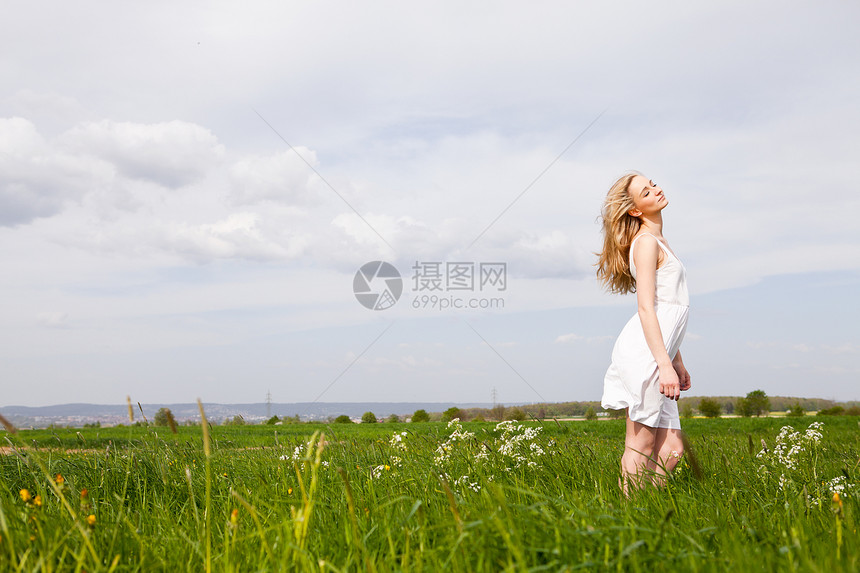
<point x="619" y="228"/>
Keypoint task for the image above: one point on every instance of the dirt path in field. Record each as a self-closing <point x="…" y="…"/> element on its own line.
<point x="9" y="450"/>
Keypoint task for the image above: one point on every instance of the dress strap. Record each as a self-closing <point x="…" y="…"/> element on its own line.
<point x="659" y="242"/>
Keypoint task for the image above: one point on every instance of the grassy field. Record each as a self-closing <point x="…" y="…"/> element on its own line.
<point x="428" y="497"/>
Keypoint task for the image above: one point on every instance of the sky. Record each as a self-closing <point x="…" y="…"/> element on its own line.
<point x="187" y="192"/>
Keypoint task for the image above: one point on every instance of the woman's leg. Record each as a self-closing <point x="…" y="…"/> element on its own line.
<point x="668" y="449"/>
<point x="638" y="446"/>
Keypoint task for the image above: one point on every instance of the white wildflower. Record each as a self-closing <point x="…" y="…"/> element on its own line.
<point x="446" y="448"/>
<point x="791" y="452"/>
<point x="840" y="485"/>
<point x="517" y="440"/>
<point x="398" y="441"/>
<point x="483" y="453"/>
<point x="463" y="481"/>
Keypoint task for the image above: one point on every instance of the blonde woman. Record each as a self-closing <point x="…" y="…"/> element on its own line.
<point x="647" y="374"/>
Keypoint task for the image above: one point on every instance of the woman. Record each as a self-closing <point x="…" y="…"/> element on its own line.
<point x="647" y="373"/>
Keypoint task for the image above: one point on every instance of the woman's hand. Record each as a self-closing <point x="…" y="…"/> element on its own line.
<point x="681" y="371"/>
<point x="670" y="383"/>
<point x="683" y="376"/>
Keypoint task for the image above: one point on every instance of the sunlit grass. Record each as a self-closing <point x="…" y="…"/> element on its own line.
<point x="531" y="496"/>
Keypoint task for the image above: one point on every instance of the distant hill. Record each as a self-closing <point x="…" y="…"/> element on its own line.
<point x="109" y="414"/>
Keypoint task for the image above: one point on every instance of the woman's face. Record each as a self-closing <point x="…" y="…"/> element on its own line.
<point x="647" y="196"/>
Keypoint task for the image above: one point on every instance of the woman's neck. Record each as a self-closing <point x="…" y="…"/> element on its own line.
<point x="653" y="224"/>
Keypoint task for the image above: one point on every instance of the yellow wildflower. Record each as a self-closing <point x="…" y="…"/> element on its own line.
<point x="234" y="517"/>
<point x="91" y="520"/>
<point x="59" y="479"/>
<point x="25" y="496"/>
<point x="38" y="501"/>
<point x="289" y="491"/>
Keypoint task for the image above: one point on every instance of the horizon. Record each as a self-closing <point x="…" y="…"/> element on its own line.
<point x="474" y="404"/>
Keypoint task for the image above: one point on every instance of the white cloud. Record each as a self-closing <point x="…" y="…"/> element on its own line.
<point x="238" y="236"/>
<point x="36" y="179"/>
<point x="281" y="177"/>
<point x="847" y="348"/>
<point x="573" y="338"/>
<point x="52" y="319"/>
<point x="173" y="153"/>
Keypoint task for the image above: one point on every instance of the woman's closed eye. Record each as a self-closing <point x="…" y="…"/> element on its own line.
<point x="650" y="185"/>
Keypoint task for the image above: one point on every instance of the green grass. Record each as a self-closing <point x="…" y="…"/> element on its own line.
<point x="350" y="504"/>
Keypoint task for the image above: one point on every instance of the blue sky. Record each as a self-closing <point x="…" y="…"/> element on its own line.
<point x="160" y="240"/>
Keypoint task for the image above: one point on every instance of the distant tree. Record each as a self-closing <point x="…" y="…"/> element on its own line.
<point x="590" y="414"/>
<point x="392" y="419"/>
<point x="757" y="403"/>
<point x="796" y="410"/>
<point x="479" y="418"/>
<point x="421" y="415"/>
<point x="832" y="411"/>
<point x="451" y="413"/>
<point x="541" y="413"/>
<point x="343" y="419"/>
<point x="273" y="420"/>
<point x="498" y="412"/>
<point x="516" y="414"/>
<point x="95" y="424"/>
<point x="853" y="411"/>
<point x="237" y="420"/>
<point x="162" y="417"/>
<point x="729" y="407"/>
<point x="616" y="414"/>
<point x="710" y="408"/>
<point x="687" y="410"/>
<point x="368" y="418"/>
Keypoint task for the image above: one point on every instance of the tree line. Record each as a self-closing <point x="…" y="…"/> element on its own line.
<point x="755" y="403"/>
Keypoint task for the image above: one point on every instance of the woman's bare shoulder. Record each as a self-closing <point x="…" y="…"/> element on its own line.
<point x="649" y="249"/>
<point x="653" y="240"/>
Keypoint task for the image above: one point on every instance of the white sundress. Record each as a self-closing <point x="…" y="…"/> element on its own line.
<point x="633" y="379"/>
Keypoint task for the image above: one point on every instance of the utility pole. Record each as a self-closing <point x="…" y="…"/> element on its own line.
<point x="268" y="405"/>
<point x="495" y="395"/>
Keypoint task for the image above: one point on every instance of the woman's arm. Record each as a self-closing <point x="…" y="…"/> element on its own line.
<point x="645" y="259"/>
